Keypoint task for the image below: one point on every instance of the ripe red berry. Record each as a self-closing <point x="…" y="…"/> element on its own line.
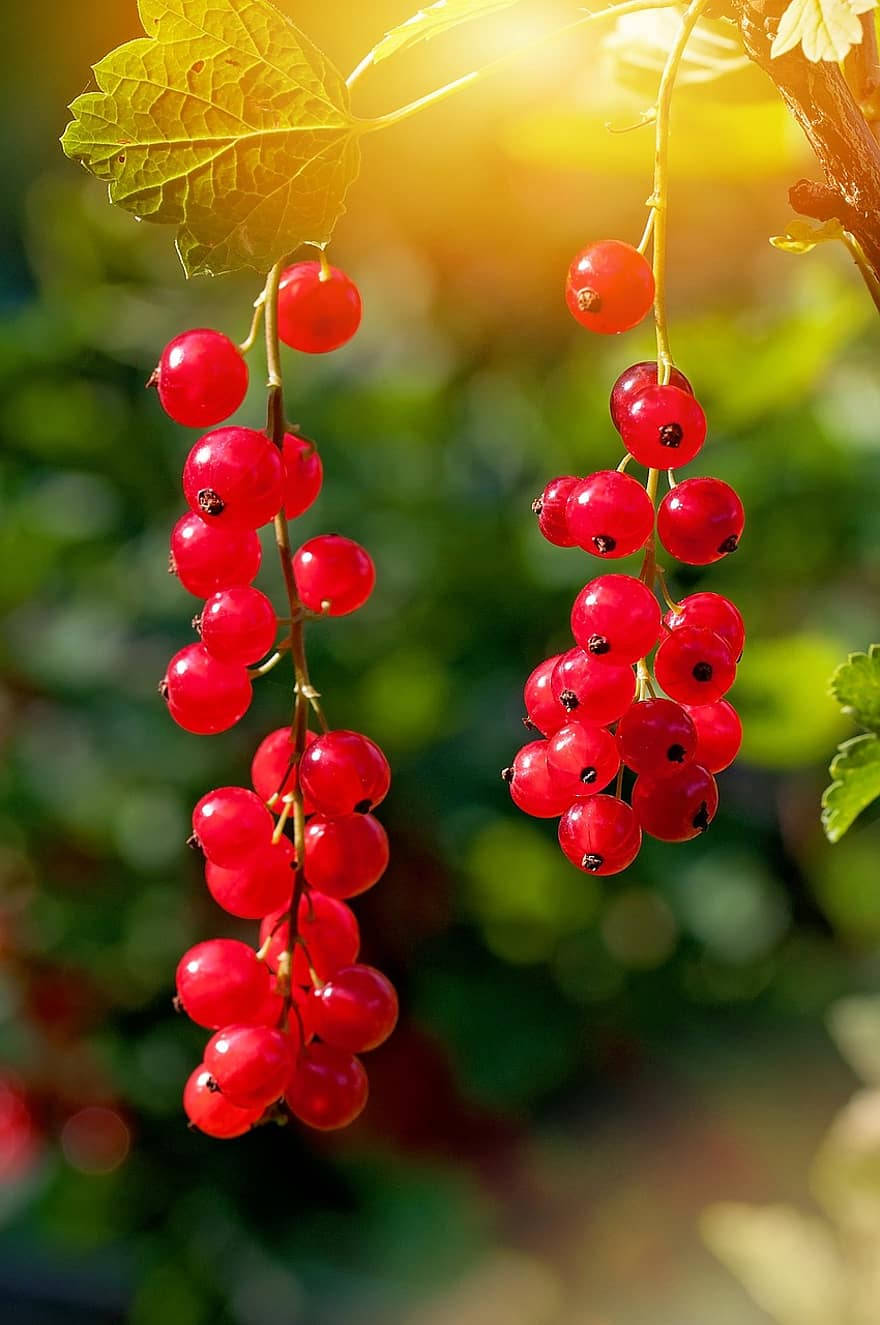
<point x="334" y="575"/>
<point x="543" y="710"/>
<point x="230" y="824"/>
<point x="700" y="521"/>
<point x="202" y="378"/>
<point x="317" y="313"/>
<point x="633" y="380"/>
<point x="346" y="855"/>
<point x="271" y="771"/>
<point x="609" y="287"/>
<point x="355" y="1010"/>
<point x="590" y="690"/>
<point x="205" y="695"/>
<point x="694" y="666"/>
<point x="328" y="1088"/>
<point x="582" y="759"/>
<point x="609" y="514"/>
<point x="221" y="981"/>
<point x="329" y="933"/>
<point x="550" y="510"/>
<point x="719" y="734"/>
<point x="233" y="477"/>
<point x="600" y="835"/>
<point x="655" y="735"/>
<point x="211" y="1112"/>
<point x="238" y="625"/>
<point x="262" y="883"/>
<point x="531" y="786"/>
<point x="343" y="772"/>
<point x="250" y="1064"/>
<point x="303" y="474"/>
<point x="710" y="611"/>
<point x="677" y="806"/>
<point x="663" y="427"/>
<point x="616" y="619"/>
<point x="206" y="558"/>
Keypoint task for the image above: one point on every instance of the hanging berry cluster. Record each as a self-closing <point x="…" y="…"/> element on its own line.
<point x="290" y="1017"/>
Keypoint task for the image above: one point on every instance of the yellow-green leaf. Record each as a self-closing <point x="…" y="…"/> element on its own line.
<point x="855" y="771"/>
<point x="803" y="236"/>
<point x="826" y="29"/>
<point x="227" y="122"/>
<point x="433" y="21"/>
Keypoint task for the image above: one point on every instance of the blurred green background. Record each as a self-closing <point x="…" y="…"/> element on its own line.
<point x="582" y="1065"/>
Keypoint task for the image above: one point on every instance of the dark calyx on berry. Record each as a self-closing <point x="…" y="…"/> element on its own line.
<point x="588" y="775"/>
<point x="676" y="753"/>
<point x="701" y="819"/>
<point x="598" y="644"/>
<point x="671" y="434"/>
<point x="588" y="300"/>
<point x="193" y="843"/>
<point x="569" y="700"/>
<point x="162" y="687"/>
<point x="363" y="807"/>
<point x="538" y="505"/>
<point x="730" y="544"/>
<point x="529" y="725"/>
<point x="507" y="774"/>
<point x="604" y="543"/>
<point x="593" y="862"/>
<point x="211" y="502"/>
<point x="212" y="1086"/>
<point x="702" y="671"/>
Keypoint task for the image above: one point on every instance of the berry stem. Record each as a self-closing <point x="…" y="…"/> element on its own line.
<point x="259" y="309"/>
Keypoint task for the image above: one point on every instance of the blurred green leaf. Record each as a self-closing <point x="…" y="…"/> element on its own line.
<point x="855" y="771"/>
<point x="855" y="1027"/>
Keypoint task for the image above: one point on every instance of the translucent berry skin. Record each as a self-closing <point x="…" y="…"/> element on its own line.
<point x="710" y="611"/>
<point x="590" y="690"/>
<point x="204" y="695"/>
<point x="317" y="315"/>
<point x="206" y="558"/>
<point x="303" y="475"/>
<point x="663" y="427"/>
<point x="616" y="619"/>
<point x="232" y="477"/>
<point x="655" y="736"/>
<point x="251" y="1064"/>
<point x="694" y="666"/>
<point x="346" y="855"/>
<point x="211" y="1112"/>
<point x="633" y="380"/>
<point x="719" y="734"/>
<point x="609" y="287"/>
<point x="271" y="773"/>
<point x="230" y="824"/>
<point x="329" y="929"/>
<point x="582" y="759"/>
<point x="328" y="1088"/>
<point x="609" y="514"/>
<point x="202" y="378"/>
<point x="543" y="709"/>
<point x="677" y="806"/>
<point x="238" y="625"/>
<point x="220" y="981"/>
<point x="263" y="883"/>
<point x="343" y="772"/>
<point x="356" y="1010"/>
<point x="700" y="521"/>
<point x="600" y="835"/>
<point x="532" y="788"/>
<point x="334" y="575"/>
<point x="550" y="509"/>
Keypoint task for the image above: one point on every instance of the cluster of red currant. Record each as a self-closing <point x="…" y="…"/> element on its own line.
<point x="597" y="706"/>
<point x="290" y="1017"/>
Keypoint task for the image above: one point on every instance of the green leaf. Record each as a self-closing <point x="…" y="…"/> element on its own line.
<point x="826" y="29"/>
<point x="803" y="236"/>
<point x="227" y="122"/>
<point x="856" y="687"/>
<point x="431" y="22"/>
<point x="855" y="772"/>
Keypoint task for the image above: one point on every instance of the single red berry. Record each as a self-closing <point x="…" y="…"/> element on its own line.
<point x="303" y="474"/>
<point x="317" y="311"/>
<point x="719" y="734"/>
<point x="250" y="1064"/>
<point x="663" y="427"/>
<point x="700" y="521"/>
<point x="272" y="772"/>
<point x="633" y="380"/>
<point x="609" y="287"/>
<point x="609" y="514"/>
<point x="600" y="835"/>
<point x="211" y="1112"/>
<point x="677" y="806"/>
<point x="355" y="1010"/>
<point x="590" y="690"/>
<point x="205" y="695"/>
<point x="543" y="711"/>
<point x="230" y="824"/>
<point x="346" y="855"/>
<point x="206" y="558"/>
<point x="694" y="666"/>
<point x="263" y="883"/>
<point x="221" y="980"/>
<point x="532" y="787"/>
<point x="343" y="772"/>
<point x="202" y="378"/>
<point x="233" y="477"/>
<point x="616" y="619"/>
<point x="582" y="759"/>
<point x="328" y="1088"/>
<point x="238" y="625"/>
<point x="550" y="510"/>
<point x="655" y="735"/>
<point x="334" y="575"/>
<point x="710" y="611"/>
<point x="329" y="933"/>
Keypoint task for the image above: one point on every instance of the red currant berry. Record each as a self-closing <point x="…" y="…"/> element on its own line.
<point x="343" y="772"/>
<point x="211" y="1112"/>
<point x="532" y="787"/>
<point x="272" y="772"/>
<point x="205" y="695"/>
<point x="355" y="1010"/>
<point x="221" y="980"/>
<point x="303" y="474"/>
<point x="633" y="380"/>
<point x="582" y="759"/>
<point x="590" y="690"/>
<point x="677" y="806"/>
<point x="616" y="619"/>
<point x="550" y="510"/>
<point x="233" y="477"/>
<point x="663" y="427"/>
<point x="694" y="666"/>
<point x="230" y="824"/>
<point x="600" y="835"/>
<point x="328" y="1088"/>
<point x="719" y="734"/>
<point x="329" y="932"/>
<point x="317" y="312"/>
<point x="609" y="514"/>
<point x="250" y="1064"/>
<point x="334" y="575"/>
<point x="206" y="558"/>
<point x="710" y="611"/>
<point x="610" y="287"/>
<point x="656" y="735"/>
<point x="238" y="625"/>
<point x="263" y="883"/>
<point x="202" y="378"/>
<point x="700" y="521"/>
<point x="347" y="855"/>
<point x="543" y="711"/>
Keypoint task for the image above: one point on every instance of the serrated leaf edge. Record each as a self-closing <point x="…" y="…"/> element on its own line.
<point x="828" y="810"/>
